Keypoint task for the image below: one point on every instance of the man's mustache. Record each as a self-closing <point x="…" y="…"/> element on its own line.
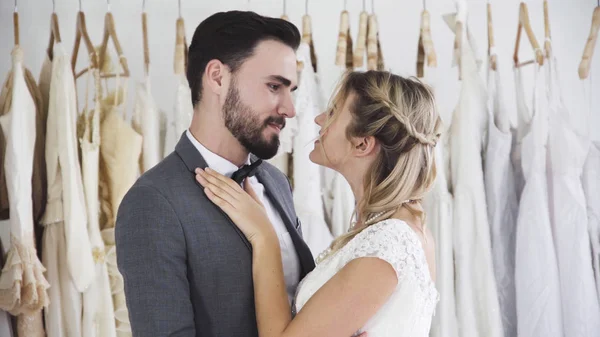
<point x="279" y="121"/>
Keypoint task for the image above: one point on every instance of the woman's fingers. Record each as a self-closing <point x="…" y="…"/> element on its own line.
<point x="225" y="181"/>
<point x="216" y="186"/>
<point x="225" y="205"/>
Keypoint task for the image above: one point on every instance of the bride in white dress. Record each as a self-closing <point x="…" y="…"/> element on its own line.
<point x="377" y="279"/>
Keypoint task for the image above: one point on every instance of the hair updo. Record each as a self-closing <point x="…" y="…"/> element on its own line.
<point x="400" y="113"/>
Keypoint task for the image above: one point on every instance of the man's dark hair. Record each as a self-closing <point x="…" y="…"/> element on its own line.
<point x="231" y="38"/>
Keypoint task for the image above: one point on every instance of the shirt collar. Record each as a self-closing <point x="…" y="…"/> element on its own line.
<point x="213" y="160"/>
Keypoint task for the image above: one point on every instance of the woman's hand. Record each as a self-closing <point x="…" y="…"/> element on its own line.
<point x="241" y="205"/>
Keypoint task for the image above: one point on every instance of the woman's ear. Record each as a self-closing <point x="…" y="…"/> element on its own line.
<point x="365" y="146"/>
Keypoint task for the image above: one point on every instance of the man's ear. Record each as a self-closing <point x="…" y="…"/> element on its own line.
<point x="214" y="74"/>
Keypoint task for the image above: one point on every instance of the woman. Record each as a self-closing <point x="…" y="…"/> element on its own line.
<point x="379" y="134"/>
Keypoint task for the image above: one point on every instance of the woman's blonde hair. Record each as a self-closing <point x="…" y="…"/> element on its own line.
<point x="400" y="113"/>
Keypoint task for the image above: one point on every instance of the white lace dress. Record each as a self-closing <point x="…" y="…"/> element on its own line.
<point x="409" y="310"/>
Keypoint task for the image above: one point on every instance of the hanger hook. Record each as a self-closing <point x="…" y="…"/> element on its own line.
<point x="143" y="6"/>
<point x="179" y="4"/>
<point x="373" y="6"/>
<point x="345" y="4"/>
<point x="80" y="5"/>
<point x="306" y="7"/>
<point x="284" y="7"/>
<point x="364" y="6"/>
<point x="108" y="5"/>
<point x="425" y="4"/>
<point x="16" y="9"/>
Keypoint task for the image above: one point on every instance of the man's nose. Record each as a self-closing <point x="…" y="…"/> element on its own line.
<point x="287" y="107"/>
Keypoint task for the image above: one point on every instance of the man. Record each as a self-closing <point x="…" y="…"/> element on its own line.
<point x="187" y="268"/>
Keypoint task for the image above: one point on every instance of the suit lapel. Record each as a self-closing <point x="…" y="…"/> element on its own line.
<point x="274" y="191"/>
<point x="192" y="158"/>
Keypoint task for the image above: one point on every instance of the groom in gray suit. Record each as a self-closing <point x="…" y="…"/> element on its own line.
<point x="187" y="268"/>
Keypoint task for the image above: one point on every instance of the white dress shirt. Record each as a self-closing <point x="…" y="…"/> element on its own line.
<point x="291" y="262"/>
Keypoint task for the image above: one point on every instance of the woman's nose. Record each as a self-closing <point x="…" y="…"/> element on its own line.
<point x="319" y="119"/>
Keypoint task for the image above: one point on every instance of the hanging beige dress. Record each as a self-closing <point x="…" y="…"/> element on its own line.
<point x="120" y="151"/>
<point x="67" y="252"/>
<point x="98" y="311"/>
<point x="22" y="283"/>
<point x="27" y="324"/>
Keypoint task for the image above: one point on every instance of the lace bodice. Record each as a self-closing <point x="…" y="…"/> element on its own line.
<point x="409" y="310"/>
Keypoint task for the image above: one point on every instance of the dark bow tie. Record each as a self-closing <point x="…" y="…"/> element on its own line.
<point x="246" y="171"/>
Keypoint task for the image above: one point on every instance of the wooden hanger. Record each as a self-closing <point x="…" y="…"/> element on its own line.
<point x="547" y="40"/>
<point x="525" y="24"/>
<point x="588" y="51"/>
<point x="343" y="55"/>
<point x="461" y="17"/>
<point x="361" y="42"/>
<point x="491" y="45"/>
<point x="372" y="52"/>
<point x="145" y="38"/>
<point x="425" y="49"/>
<point x="81" y="33"/>
<point x="307" y="36"/>
<point x="181" y="48"/>
<point x="16" y="24"/>
<point x="284" y="16"/>
<point x="54" y="32"/>
<point x="459" y="27"/>
<point x="111" y="33"/>
<point x="380" y="62"/>
<point x="374" y="55"/>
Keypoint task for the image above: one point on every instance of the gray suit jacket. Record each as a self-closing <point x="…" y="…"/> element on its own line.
<point x="187" y="268"/>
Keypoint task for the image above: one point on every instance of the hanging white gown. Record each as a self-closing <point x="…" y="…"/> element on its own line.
<point x="536" y="267"/>
<point x="146" y="121"/>
<point x="66" y="251"/>
<point x="591" y="189"/>
<point x="518" y="132"/>
<point x="286" y="145"/>
<point x="98" y="312"/>
<point x="567" y="152"/>
<point x="477" y="306"/>
<point x="438" y="209"/>
<point x="23" y="287"/>
<point x="501" y="197"/>
<point x="308" y="200"/>
<point x="180" y="119"/>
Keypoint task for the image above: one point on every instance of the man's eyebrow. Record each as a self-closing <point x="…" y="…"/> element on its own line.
<point x="286" y="82"/>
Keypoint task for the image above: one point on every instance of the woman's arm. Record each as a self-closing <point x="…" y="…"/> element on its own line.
<point x="340" y="308"/>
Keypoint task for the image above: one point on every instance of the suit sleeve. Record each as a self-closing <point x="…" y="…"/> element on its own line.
<point x="151" y="256"/>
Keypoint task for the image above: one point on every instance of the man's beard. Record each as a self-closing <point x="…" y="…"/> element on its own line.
<point x="245" y="125"/>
